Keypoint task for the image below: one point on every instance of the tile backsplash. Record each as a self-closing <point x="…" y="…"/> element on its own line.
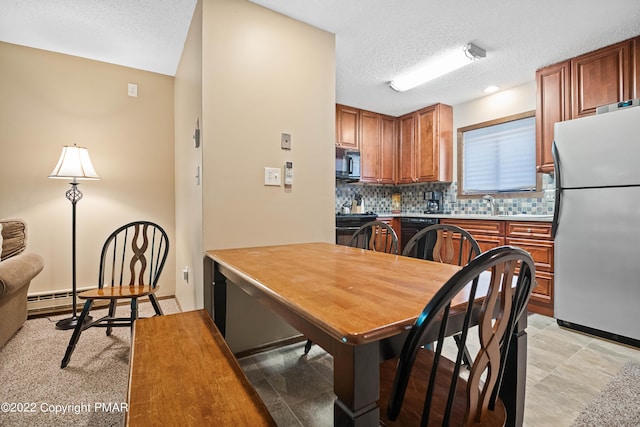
<point x="377" y="198"/>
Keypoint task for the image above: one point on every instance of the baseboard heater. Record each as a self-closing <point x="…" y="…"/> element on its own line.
<point x="598" y="333"/>
<point x="51" y="302"/>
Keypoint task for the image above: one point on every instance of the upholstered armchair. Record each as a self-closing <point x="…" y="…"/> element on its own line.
<point x="17" y="268"/>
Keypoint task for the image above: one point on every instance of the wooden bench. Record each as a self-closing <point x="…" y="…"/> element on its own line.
<point x="182" y="372"/>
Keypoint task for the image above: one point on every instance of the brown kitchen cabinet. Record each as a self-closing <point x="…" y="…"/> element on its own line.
<point x="601" y="77"/>
<point x="488" y="234"/>
<point x="425" y="151"/>
<point x="576" y="87"/>
<point x="377" y="148"/>
<point x="533" y="237"/>
<point x="347" y="127"/>
<point x="553" y="105"/>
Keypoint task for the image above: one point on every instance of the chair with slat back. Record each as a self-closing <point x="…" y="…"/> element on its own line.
<point x="131" y="262"/>
<point x="375" y="236"/>
<point x="445" y="243"/>
<point x="423" y="387"/>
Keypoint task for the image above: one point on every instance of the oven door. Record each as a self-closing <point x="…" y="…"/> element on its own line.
<point x="344" y="234"/>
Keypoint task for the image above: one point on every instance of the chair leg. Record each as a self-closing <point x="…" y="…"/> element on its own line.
<point x="134" y="312"/>
<point x="466" y="357"/>
<point x="307" y="346"/>
<point x="112" y="314"/>
<point x="76" y="334"/>
<point x="156" y="305"/>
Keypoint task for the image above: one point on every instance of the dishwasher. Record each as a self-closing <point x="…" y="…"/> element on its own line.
<point x="410" y="226"/>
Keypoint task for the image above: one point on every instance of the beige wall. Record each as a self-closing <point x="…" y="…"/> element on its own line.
<point x="48" y="100"/>
<point x="518" y="99"/>
<point x="188" y="113"/>
<point x="264" y="74"/>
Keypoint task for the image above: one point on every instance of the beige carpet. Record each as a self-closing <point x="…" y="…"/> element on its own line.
<point x="618" y="404"/>
<point x="88" y="392"/>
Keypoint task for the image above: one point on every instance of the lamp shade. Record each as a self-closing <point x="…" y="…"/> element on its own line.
<point x="74" y="163"/>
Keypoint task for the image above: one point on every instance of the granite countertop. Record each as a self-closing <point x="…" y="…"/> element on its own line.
<point x="516" y="217"/>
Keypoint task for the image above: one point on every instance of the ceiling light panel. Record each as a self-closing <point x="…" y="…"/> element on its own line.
<point x="437" y="66"/>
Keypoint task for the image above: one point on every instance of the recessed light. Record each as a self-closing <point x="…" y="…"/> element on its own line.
<point x="491" y="89"/>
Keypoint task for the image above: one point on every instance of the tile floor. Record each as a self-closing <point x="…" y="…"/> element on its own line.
<point x="566" y="370"/>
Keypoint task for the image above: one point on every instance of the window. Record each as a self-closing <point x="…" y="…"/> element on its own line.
<point x="498" y="156"/>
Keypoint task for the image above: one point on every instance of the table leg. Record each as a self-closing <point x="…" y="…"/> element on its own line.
<point x="356" y="383"/>
<point x="513" y="386"/>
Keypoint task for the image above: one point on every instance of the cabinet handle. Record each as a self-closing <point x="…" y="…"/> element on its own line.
<point x="529" y="230"/>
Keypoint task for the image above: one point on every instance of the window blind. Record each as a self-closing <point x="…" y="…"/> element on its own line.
<point x="500" y="158"/>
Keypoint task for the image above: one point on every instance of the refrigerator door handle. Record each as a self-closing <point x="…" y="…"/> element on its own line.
<point x="556" y="208"/>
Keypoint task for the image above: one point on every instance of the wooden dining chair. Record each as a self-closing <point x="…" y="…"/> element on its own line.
<point x="445" y="243"/>
<point x="423" y="387"/>
<point x="131" y="261"/>
<point x="375" y="236"/>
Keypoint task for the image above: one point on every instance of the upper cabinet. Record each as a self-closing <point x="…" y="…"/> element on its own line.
<point x="600" y="78"/>
<point x="417" y="147"/>
<point x="347" y="127"/>
<point x="377" y="148"/>
<point x="553" y="105"/>
<point x="426" y="145"/>
<point x="576" y="87"/>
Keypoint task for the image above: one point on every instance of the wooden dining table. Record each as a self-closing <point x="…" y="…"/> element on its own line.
<point x="356" y="304"/>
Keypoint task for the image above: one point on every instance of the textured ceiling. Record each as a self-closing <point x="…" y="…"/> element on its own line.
<point x="143" y="34"/>
<point x="375" y="39"/>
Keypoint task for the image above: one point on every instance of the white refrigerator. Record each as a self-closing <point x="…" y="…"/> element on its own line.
<point x="597" y="225"/>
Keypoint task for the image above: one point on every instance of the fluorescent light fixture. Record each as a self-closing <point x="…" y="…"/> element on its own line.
<point x="491" y="89"/>
<point x="438" y="66"/>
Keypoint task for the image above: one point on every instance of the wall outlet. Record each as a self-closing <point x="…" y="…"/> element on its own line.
<point x="285" y="141"/>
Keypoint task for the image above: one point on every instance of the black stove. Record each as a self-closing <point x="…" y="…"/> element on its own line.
<point x="347" y="224"/>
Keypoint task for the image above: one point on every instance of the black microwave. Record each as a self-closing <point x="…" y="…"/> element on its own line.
<point x="347" y="164"/>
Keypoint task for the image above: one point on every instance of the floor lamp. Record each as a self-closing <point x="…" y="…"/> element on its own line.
<point x="74" y="164"/>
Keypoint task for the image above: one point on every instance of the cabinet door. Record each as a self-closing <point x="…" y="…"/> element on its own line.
<point x="488" y="234"/>
<point x="346" y="127"/>
<point x="600" y="77"/>
<point x="369" y="146"/>
<point x="388" y="148"/>
<point x="406" y="136"/>
<point x="434" y="144"/>
<point x="553" y="105"/>
<point x="426" y="167"/>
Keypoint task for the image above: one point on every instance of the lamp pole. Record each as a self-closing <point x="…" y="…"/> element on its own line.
<point x="74" y="163"/>
<point x="73" y="195"/>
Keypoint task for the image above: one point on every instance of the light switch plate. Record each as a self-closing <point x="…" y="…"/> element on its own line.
<point x="132" y="89"/>
<point x="285" y="141"/>
<point x="272" y="176"/>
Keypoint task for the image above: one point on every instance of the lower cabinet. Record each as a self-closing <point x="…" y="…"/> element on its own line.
<point x="533" y="237"/>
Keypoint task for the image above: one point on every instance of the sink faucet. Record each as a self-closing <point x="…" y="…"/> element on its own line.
<point x="492" y="204"/>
